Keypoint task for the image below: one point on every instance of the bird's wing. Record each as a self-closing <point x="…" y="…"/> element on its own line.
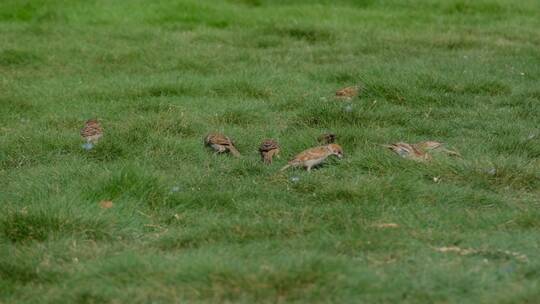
<point x="401" y="148"/>
<point x="428" y="145"/>
<point x="91" y="129"/>
<point x="312" y="153"/>
<point x="218" y="139"/>
<point x="348" y="92"/>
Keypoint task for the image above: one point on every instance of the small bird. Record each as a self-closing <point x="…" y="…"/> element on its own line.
<point x="348" y="92"/>
<point x="314" y="156"/>
<point x="406" y="150"/>
<point x="268" y="149"/>
<point x="327" y="138"/>
<point x="92" y="132"/>
<point x="221" y="143"/>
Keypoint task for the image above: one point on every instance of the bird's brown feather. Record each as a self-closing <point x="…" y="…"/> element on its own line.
<point x="92" y="130"/>
<point x="268" y="149"/>
<point x="221" y="143"/>
<point x="348" y="92"/>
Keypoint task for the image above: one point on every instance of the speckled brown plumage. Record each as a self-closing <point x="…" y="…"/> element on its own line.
<point x="92" y="131"/>
<point x="348" y="92"/>
<point x="268" y="149"/>
<point x="435" y="146"/>
<point x="221" y="143"/>
<point x="409" y="151"/>
<point x="314" y="156"/>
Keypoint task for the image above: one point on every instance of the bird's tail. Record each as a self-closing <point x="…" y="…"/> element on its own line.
<point x="234" y="151"/>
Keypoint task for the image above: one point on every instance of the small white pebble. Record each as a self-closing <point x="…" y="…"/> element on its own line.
<point x="295" y="179"/>
<point x="531" y="136"/>
<point x="522" y="74"/>
<point x="492" y="171"/>
<point x="436" y="179"/>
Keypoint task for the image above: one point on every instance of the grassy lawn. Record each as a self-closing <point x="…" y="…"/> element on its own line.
<point x="188" y="226"/>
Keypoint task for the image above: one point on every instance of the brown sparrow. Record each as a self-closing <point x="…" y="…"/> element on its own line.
<point x="221" y="143"/>
<point x="268" y="149"/>
<point x="327" y="138"/>
<point x="92" y="131"/>
<point x="314" y="156"/>
<point x="348" y="92"/>
<point x="406" y="150"/>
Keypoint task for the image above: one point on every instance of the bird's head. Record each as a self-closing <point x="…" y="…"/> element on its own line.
<point x="335" y="149"/>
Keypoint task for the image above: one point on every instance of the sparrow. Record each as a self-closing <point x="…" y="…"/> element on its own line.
<point x="268" y="149"/>
<point x="406" y="150"/>
<point x="327" y="138"/>
<point x="221" y="143"/>
<point x="314" y="156"/>
<point x="348" y="92"/>
<point x="92" y="131"/>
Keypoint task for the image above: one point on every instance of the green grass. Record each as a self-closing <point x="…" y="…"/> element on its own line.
<point x="161" y="74"/>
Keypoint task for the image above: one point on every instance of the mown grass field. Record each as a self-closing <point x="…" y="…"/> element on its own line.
<point x="188" y="226"/>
